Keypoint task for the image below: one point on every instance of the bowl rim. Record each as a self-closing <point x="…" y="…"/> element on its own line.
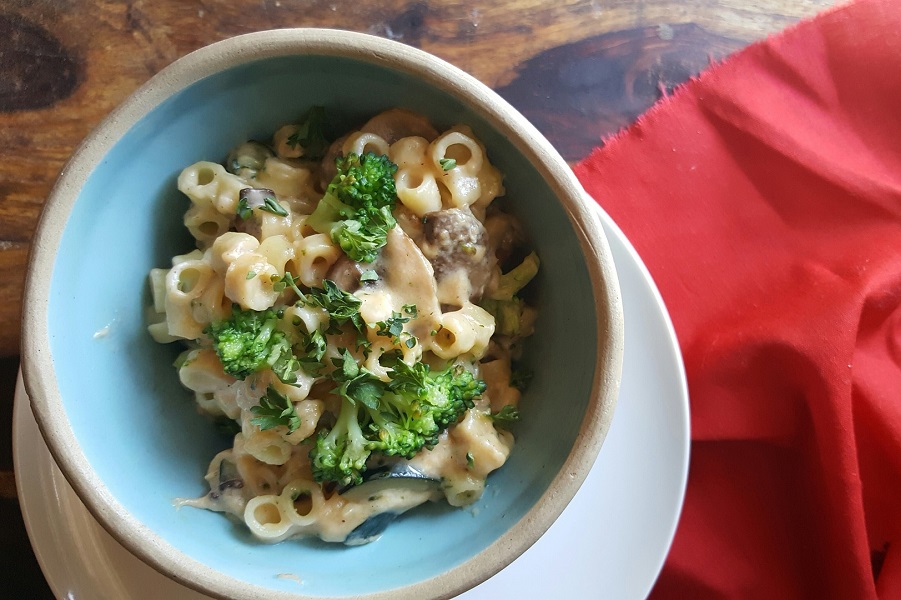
<point x="40" y="376"/>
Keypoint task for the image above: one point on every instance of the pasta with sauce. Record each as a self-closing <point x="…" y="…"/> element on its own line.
<point x="292" y="321"/>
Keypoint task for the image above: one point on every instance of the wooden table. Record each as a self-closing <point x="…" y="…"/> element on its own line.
<point x="579" y="69"/>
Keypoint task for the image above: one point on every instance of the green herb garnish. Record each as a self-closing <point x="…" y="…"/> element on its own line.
<point x="310" y="134"/>
<point x="356" y="383"/>
<point x="369" y="275"/>
<point x="505" y="416"/>
<point x="274" y="410"/>
<point x="261" y="198"/>
<point x="342" y="307"/>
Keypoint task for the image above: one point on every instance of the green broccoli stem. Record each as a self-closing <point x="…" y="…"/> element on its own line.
<point x="329" y="214"/>
<point x="517" y="278"/>
<point x="341" y="454"/>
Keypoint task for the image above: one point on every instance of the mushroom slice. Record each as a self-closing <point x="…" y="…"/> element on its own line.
<point x="405" y="278"/>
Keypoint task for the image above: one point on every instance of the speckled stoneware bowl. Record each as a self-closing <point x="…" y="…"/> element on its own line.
<point x="128" y="437"/>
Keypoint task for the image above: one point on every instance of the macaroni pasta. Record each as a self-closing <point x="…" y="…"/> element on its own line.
<point x="324" y="329"/>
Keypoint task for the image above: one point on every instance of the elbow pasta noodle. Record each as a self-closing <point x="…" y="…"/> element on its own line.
<point x="306" y="318"/>
<point x="277" y="251"/>
<point x="362" y="142"/>
<point x="266" y="446"/>
<point x="205" y="223"/>
<point x="464" y="490"/>
<point x="286" y="179"/>
<point x="417" y="186"/>
<point x="264" y="518"/>
<point x="273" y="225"/>
<point x="185" y="283"/>
<point x="302" y="501"/>
<point x="258" y="254"/>
<point x="249" y="282"/>
<point x="463" y="332"/>
<point x="308" y="411"/>
<point x="462" y="181"/>
<point x="228" y="247"/>
<point x="418" y="189"/>
<point x="202" y="372"/>
<point x="208" y="184"/>
<point x="158" y="289"/>
<point x="313" y="257"/>
<point x="212" y="305"/>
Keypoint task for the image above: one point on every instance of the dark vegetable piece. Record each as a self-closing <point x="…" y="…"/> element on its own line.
<point x="398" y="476"/>
<point x="228" y="477"/>
<point x="371" y="529"/>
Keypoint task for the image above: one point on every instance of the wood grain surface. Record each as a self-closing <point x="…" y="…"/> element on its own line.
<point x="579" y="69"/>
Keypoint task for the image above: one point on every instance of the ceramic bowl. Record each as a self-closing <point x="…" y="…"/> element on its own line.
<point x="128" y="437"/>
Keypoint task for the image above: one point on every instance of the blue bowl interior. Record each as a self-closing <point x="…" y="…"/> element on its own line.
<point x="139" y="429"/>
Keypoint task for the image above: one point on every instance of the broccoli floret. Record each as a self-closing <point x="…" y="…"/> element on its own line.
<point x="249" y="341"/>
<point x="400" y="430"/>
<point x="356" y="210"/>
<point x="399" y="418"/>
<point x="418" y="405"/>
<point x="517" y="278"/>
<point x="340" y="454"/>
<point x="442" y="396"/>
<point x="503" y="303"/>
<point x="507" y="314"/>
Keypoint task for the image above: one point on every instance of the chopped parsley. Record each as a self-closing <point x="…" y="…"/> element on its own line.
<point x="310" y="134"/>
<point x="258" y="198"/>
<point x="447" y="163"/>
<point x="271" y="205"/>
<point x="314" y="345"/>
<point x="505" y="416"/>
<point x="521" y="377"/>
<point x="280" y="284"/>
<point x="369" y="275"/>
<point x="342" y="307"/>
<point x="356" y="383"/>
<point x="393" y="327"/>
<point x="274" y="410"/>
<point x="244" y="211"/>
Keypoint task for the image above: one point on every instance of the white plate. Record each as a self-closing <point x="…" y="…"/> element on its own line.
<point x="610" y="541"/>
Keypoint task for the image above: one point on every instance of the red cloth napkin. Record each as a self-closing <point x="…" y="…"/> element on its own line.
<point x="765" y="198"/>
